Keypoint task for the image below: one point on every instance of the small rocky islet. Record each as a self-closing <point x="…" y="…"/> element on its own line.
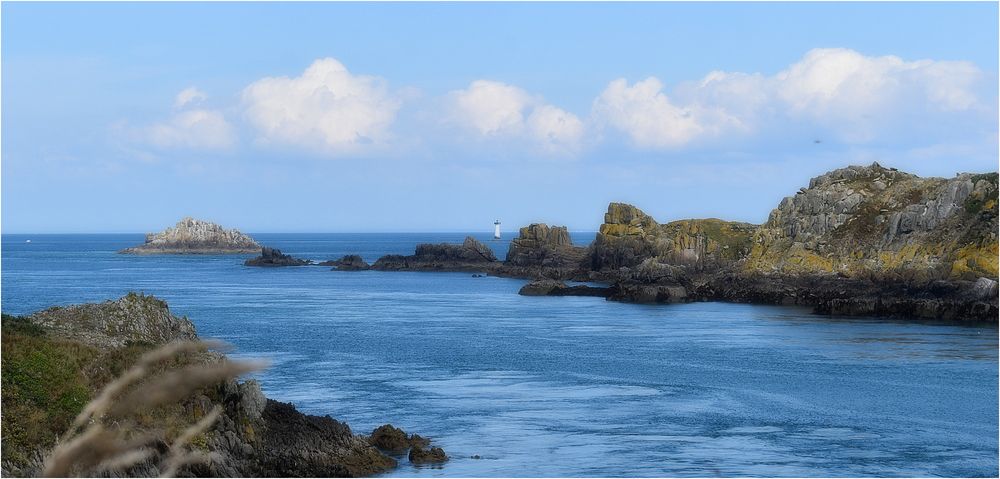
<point x="193" y="236"/>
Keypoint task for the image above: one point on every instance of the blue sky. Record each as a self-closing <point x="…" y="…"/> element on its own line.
<point x="354" y="117"/>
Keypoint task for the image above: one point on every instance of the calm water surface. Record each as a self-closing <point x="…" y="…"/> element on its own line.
<point x="560" y="386"/>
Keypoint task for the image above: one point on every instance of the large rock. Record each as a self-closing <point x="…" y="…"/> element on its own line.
<point x="547" y="249"/>
<point x="629" y="237"/>
<point x="471" y="255"/>
<point x="133" y="318"/>
<point x="274" y="257"/>
<point x="873" y="221"/>
<point x="191" y="236"/>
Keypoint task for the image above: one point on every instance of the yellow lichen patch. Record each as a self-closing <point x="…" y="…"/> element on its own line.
<point x="614" y="229"/>
<point x="976" y="260"/>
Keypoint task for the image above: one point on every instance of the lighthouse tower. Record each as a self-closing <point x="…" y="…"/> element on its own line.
<point x="496" y="229"/>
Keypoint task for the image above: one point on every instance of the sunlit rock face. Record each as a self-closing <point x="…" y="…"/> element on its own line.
<point x="876" y="221"/>
<point x="629" y="238"/>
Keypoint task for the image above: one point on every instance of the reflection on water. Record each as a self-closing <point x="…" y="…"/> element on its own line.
<point x="563" y="386"/>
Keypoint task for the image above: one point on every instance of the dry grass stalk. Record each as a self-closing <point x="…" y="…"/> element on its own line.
<point x="178" y="456"/>
<point x="91" y="446"/>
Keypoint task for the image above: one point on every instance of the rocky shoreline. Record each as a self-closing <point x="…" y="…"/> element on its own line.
<point x="861" y="240"/>
<point x="253" y="437"/>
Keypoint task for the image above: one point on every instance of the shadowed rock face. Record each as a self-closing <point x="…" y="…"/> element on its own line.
<point x="471" y="255"/>
<point x="274" y="257"/>
<point x="539" y="245"/>
<point x="191" y="236"/>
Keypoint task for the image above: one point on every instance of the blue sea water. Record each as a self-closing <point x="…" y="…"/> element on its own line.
<point x="569" y="386"/>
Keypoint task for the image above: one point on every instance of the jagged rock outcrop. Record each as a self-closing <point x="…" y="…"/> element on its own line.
<point x="351" y="262"/>
<point x="871" y="221"/>
<point x="471" y="255"/>
<point x="130" y="319"/>
<point x="390" y="438"/>
<point x="274" y="257"/>
<point x="629" y="237"/>
<point x="549" y="251"/>
<point x="191" y="236"/>
<point x="859" y="240"/>
<point x="254" y="436"/>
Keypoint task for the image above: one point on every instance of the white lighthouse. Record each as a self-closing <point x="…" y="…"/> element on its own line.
<point x="496" y="229"/>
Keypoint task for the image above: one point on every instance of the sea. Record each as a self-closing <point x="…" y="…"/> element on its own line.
<point x="511" y="385"/>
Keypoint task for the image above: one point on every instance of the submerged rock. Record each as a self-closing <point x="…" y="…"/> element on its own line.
<point x="191" y="236"/>
<point x="273" y="257"/>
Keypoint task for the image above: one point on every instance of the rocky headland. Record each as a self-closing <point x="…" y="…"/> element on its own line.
<point x="274" y="257"/>
<point x="861" y="240"/>
<point x="58" y="359"/>
<point x="191" y="236"/>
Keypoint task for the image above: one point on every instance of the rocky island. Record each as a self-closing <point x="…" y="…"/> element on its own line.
<point x="192" y="236"/>
<point x="58" y="359"/>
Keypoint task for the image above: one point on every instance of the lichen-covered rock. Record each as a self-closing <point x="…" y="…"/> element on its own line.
<point x="191" y="236"/>
<point x="351" y="262"/>
<point x="274" y="257"/>
<point x="133" y="318"/>
<point x="876" y="221"/>
<point x="629" y="237"/>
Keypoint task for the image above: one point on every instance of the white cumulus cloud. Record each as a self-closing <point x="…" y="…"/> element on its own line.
<point x="651" y="120"/>
<point x="856" y="98"/>
<point x="492" y="109"/>
<point x="326" y="108"/>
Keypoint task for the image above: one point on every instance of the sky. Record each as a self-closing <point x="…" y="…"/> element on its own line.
<point x="425" y="117"/>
